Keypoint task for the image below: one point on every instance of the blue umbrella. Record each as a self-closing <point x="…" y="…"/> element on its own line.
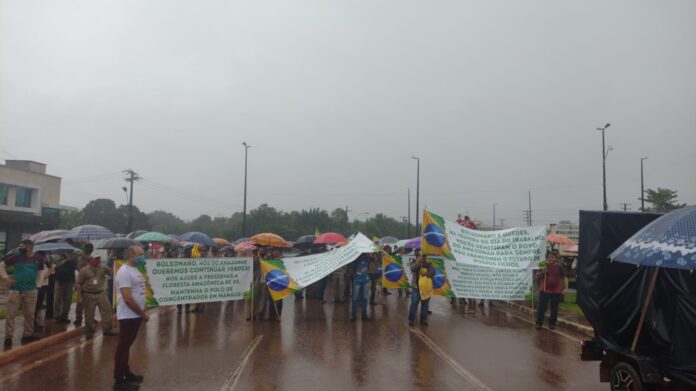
<point x="88" y="232"/>
<point x="54" y="248"/>
<point x="197" y="237"/>
<point x="669" y="241"/>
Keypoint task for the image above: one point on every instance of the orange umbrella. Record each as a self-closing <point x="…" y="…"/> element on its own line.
<point x="220" y="242"/>
<point x="559" y="239"/>
<point x="269" y="239"/>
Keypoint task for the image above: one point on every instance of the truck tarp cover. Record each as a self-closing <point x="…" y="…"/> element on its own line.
<point x="611" y="294"/>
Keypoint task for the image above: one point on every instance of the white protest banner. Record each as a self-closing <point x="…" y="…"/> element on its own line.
<point x="198" y="280"/>
<point x="514" y="248"/>
<point x="480" y="282"/>
<point x="312" y="268"/>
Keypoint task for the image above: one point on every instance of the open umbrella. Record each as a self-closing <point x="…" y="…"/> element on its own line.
<point x="153" y="237"/>
<point x="47" y="236"/>
<point x="244" y="246"/>
<point x="118" y="243"/>
<point x="269" y="239"/>
<point x="572" y="249"/>
<point x="387" y="240"/>
<point x="330" y="238"/>
<point x="135" y="234"/>
<point x="55" y="248"/>
<point x="669" y="241"/>
<point x="197" y="237"/>
<point x="414" y="244"/>
<point x="220" y="242"/>
<point x="304" y="241"/>
<point x="559" y="239"/>
<point x="240" y="240"/>
<point x="88" y="232"/>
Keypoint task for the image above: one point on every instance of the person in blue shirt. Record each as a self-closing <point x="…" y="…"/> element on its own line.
<point x="360" y="272"/>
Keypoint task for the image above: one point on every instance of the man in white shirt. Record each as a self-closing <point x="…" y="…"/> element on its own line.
<point x="130" y="290"/>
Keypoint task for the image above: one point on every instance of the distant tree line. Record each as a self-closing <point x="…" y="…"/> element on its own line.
<point x="265" y="218"/>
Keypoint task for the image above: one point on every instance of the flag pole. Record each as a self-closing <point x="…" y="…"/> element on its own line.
<point x="275" y="307"/>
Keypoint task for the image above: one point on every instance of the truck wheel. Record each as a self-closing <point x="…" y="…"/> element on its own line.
<point x="625" y="378"/>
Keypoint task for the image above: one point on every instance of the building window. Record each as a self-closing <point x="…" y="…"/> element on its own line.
<point x="3" y="193"/>
<point x="23" y="197"/>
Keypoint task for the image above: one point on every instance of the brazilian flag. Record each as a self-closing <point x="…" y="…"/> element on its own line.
<point x="434" y="238"/>
<point x="393" y="275"/>
<point x="278" y="281"/>
<point x="441" y="286"/>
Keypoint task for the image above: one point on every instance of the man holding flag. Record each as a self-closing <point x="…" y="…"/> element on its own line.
<point x="421" y="270"/>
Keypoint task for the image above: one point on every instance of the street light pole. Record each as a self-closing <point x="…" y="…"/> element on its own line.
<point x="409" y="211"/>
<point x="417" y="193"/>
<point x="246" y="153"/>
<point x="604" y="166"/>
<point x="642" y="188"/>
<point x="132" y="176"/>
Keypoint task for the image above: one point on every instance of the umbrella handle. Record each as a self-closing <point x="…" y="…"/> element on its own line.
<point x="644" y="312"/>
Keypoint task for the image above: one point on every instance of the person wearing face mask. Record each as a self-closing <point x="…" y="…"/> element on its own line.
<point x="91" y="292"/>
<point x="131" y="291"/>
<point x="64" y="278"/>
<point x="81" y="263"/>
<point x="27" y="269"/>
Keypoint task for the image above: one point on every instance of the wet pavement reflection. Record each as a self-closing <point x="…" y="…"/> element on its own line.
<point x="317" y="347"/>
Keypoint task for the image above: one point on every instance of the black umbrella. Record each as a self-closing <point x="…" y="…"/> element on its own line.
<point x="118" y="243"/>
<point x="304" y="241"/>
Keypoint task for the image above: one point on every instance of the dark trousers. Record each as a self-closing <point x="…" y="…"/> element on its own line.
<point x="128" y="330"/>
<point x="322" y="287"/>
<point x="49" y="296"/>
<point x="40" y="297"/>
<point x="415" y="299"/>
<point x="544" y="299"/>
<point x="272" y="311"/>
<point x="373" y="286"/>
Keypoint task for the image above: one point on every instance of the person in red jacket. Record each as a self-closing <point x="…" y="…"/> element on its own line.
<point x="552" y="284"/>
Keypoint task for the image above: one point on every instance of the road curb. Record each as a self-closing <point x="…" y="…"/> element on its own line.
<point x="564" y="323"/>
<point x="43" y="343"/>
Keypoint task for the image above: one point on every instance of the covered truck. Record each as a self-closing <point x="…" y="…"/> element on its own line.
<point x="613" y="295"/>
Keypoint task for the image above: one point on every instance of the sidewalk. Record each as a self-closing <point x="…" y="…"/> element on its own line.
<point x="52" y="333"/>
<point x="566" y="320"/>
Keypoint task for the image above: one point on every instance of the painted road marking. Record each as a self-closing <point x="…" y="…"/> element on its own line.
<point x="63" y="352"/>
<point x="231" y="381"/>
<point x="468" y="376"/>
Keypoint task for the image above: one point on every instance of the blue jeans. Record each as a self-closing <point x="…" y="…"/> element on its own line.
<point x="359" y="295"/>
<point x="373" y="286"/>
<point x="415" y="299"/>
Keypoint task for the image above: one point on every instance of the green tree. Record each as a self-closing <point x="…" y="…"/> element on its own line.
<point x="140" y="220"/>
<point x="102" y="212"/>
<point x="165" y="222"/>
<point x="69" y="219"/>
<point x="662" y="200"/>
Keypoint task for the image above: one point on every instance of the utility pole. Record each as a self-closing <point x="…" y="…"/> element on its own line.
<point x="494" y="215"/>
<point x="502" y="223"/>
<point x="347" y="210"/>
<point x="417" y="192"/>
<point x="409" y="211"/>
<point x="642" y="188"/>
<point x="403" y="225"/>
<point x="246" y="153"/>
<point x="530" y="208"/>
<point x="131" y="176"/>
<point x="604" y="166"/>
<point x="625" y="206"/>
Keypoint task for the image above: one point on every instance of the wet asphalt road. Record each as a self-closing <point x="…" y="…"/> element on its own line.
<point x="315" y="347"/>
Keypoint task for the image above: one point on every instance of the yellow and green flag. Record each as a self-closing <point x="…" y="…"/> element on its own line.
<point x="434" y="238"/>
<point x="278" y="281"/>
<point x="441" y="286"/>
<point x="393" y="274"/>
<point x="316" y="232"/>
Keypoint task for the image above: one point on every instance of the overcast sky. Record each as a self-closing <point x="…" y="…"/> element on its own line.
<point x="497" y="98"/>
